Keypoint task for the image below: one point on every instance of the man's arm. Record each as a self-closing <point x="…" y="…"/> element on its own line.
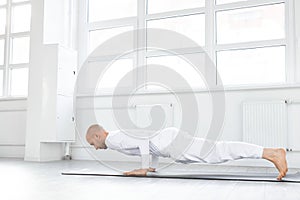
<point x="143" y="172"/>
<point x="154" y="163"/>
<point x="138" y="172"/>
<point x="145" y="158"/>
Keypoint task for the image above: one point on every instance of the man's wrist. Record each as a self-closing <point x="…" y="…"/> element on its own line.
<point x="151" y="169"/>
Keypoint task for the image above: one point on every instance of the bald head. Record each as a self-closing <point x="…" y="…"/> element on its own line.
<point x="96" y="136"/>
<point x="94" y="129"/>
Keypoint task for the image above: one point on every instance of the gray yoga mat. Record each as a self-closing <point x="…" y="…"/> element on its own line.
<point x="229" y="176"/>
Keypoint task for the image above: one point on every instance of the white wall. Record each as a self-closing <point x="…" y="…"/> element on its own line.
<point x="232" y="127"/>
<point x="12" y="128"/>
<point x="13" y="110"/>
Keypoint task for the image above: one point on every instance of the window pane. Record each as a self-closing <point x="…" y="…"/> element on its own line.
<point x="21" y="18"/>
<point x="2" y="20"/>
<point x="251" y="24"/>
<point x="3" y="2"/>
<point x="115" y="72"/>
<point x="156" y="6"/>
<point x="228" y="1"/>
<point x="20" y="50"/>
<point x="1" y="82"/>
<point x="1" y="52"/>
<point x="19" y="82"/>
<point x="181" y="67"/>
<point x="252" y="66"/>
<point x="192" y="26"/>
<point x="99" y="36"/>
<point x="112" y="9"/>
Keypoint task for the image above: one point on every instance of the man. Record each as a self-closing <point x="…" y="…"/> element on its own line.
<point x="169" y="139"/>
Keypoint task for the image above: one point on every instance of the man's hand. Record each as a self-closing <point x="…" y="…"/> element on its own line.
<point x="139" y="172"/>
<point x="151" y="169"/>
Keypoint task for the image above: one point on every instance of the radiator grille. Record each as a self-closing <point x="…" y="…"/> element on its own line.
<point x="265" y="123"/>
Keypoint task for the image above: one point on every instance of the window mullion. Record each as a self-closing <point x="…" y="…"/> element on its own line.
<point x="250" y="45"/>
<point x="210" y="39"/>
<point x="7" y="50"/>
<point x="176" y="13"/>
<point x="18" y="66"/>
<point x="246" y="4"/>
<point x="290" y="45"/>
<point x="20" y="34"/>
<point x="297" y="38"/>
<point x="141" y="77"/>
<point x="128" y="21"/>
<point x="19" y="3"/>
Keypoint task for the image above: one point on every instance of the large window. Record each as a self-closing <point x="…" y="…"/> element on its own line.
<point x="15" y="18"/>
<point x="254" y="44"/>
<point x="249" y="41"/>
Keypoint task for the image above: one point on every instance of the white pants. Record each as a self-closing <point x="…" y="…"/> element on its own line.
<point x="188" y="149"/>
<point x="205" y="151"/>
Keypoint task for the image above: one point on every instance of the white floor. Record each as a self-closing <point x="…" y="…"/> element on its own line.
<point x="30" y="180"/>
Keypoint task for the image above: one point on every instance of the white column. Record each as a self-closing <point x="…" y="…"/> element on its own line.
<point x="35" y="86"/>
<point x="297" y="30"/>
<point x="46" y="127"/>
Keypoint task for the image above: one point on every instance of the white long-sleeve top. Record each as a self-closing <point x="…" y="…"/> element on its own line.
<point x="159" y="146"/>
<point x="120" y="141"/>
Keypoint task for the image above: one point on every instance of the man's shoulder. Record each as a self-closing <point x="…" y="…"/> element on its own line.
<point x="115" y="134"/>
<point x="113" y="139"/>
<point x="118" y="135"/>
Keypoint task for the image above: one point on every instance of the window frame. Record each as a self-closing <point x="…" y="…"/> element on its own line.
<point x="8" y="37"/>
<point x="287" y="42"/>
<point x="211" y="47"/>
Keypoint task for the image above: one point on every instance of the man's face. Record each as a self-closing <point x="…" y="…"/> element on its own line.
<point x="97" y="140"/>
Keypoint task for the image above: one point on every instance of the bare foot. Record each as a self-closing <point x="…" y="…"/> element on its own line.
<point x="278" y="158"/>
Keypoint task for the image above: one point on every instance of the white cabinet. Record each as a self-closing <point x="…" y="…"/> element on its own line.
<point x="59" y="76"/>
<point x="65" y="118"/>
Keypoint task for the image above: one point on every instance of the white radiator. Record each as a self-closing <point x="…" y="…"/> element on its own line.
<point x="265" y="123"/>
